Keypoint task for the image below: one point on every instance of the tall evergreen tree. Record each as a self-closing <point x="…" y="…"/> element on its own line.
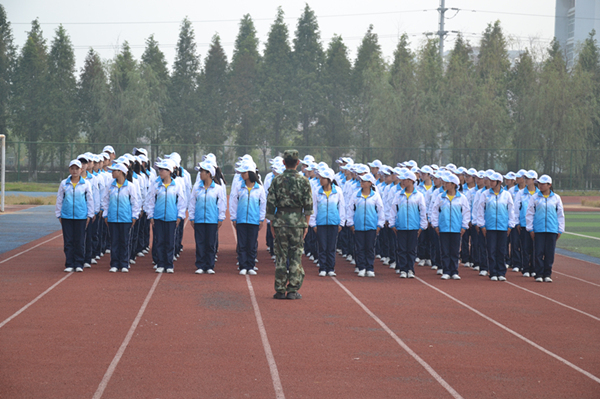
<point x="275" y="83"/>
<point x="92" y="90"/>
<point x="523" y="103"/>
<point x="7" y="60"/>
<point x="308" y="58"/>
<point x="156" y="77"/>
<point x="213" y="95"/>
<point x="243" y="85"/>
<point x="181" y="116"/>
<point x="335" y="118"/>
<point x="62" y="92"/>
<point x="30" y="103"/>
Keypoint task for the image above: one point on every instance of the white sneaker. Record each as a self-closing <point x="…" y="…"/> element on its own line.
<point x="393" y="265"/>
<point x="356" y="270"/>
<point x="539" y="280"/>
<point x="421" y="262"/>
<point x="140" y="254"/>
<point x="160" y="269"/>
<point x="131" y="261"/>
<point x="273" y="257"/>
<point x="494" y="278"/>
<point x="145" y="251"/>
<point x="316" y="261"/>
<point x="322" y="274"/>
<point x="124" y="270"/>
<point x="476" y="268"/>
<point x="403" y="275"/>
<point x="69" y="269"/>
<point x="243" y="272"/>
<point x="501" y="278"/>
<point x="94" y="262"/>
<point x="78" y="269"/>
<point x="417" y="259"/>
<point x="440" y="271"/>
<point x="547" y="279"/>
<point x="312" y="257"/>
<point x="199" y="271"/>
<point x="370" y="274"/>
<point x="210" y="271"/>
<point x="308" y="255"/>
<point x="445" y="276"/>
<point x="434" y="267"/>
<point x="525" y="274"/>
<point x="339" y="251"/>
<point x="515" y="269"/>
<point x="361" y="273"/>
<point x="353" y="262"/>
<point x="386" y="261"/>
<point x="97" y="257"/>
<point x="507" y="265"/>
<point x="252" y="272"/>
<point x="378" y="256"/>
<point x="411" y="274"/>
<point x="427" y="262"/>
<point x="113" y="270"/>
<point x="455" y="277"/>
<point x="170" y="270"/>
<point x="255" y="260"/>
<point x="255" y="268"/>
<point x="87" y="265"/>
<point x="349" y="258"/>
<point x="174" y="258"/>
<point x="331" y="274"/>
<point x="107" y="251"/>
<point x="483" y="273"/>
<point x="154" y="267"/>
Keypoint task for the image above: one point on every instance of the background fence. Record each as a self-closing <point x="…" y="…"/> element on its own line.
<point x="577" y="169"/>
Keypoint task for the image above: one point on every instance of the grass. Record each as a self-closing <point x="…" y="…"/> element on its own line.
<point x="26" y="200"/>
<point x="32" y="187"/>
<point x="586" y="223"/>
<point x="586" y="202"/>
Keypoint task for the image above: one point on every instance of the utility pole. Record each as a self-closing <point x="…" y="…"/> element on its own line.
<point x="441" y="33"/>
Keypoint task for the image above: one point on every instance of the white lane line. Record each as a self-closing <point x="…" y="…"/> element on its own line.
<point x="581" y="235"/>
<point x="516" y="334"/>
<point x="576" y="278"/>
<point x="35" y="300"/>
<point x="555" y="301"/>
<point x="263" y="336"/>
<point x="27" y="250"/>
<point x="422" y="362"/>
<point x="265" y="341"/>
<point x="117" y="358"/>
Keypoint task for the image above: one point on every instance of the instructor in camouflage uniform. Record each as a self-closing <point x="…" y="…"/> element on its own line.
<point x="289" y="206"/>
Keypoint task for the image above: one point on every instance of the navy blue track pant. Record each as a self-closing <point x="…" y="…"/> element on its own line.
<point x="205" y="235"/>
<point x="496" y="247"/>
<point x="120" y="234"/>
<point x="74" y="241"/>
<point x="327" y="239"/>
<point x="406" y="244"/>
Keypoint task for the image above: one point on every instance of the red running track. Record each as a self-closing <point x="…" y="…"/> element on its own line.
<point x="198" y="335"/>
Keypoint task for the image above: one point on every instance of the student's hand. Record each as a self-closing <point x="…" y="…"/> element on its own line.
<point x="484" y="231"/>
<point x="532" y="234"/>
<point x="378" y="229"/>
<point x="462" y="231"/>
<point x="218" y="224"/>
<point x="177" y="223"/>
<point x="339" y="228"/>
<point x="272" y="230"/>
<point x="234" y="224"/>
<point x="87" y="222"/>
<point x="477" y="229"/>
<point x="133" y="220"/>
<point x="437" y="230"/>
<point x="94" y="218"/>
<point x="470" y="224"/>
<point x="315" y="229"/>
<point x="260" y="225"/>
<point x="352" y="229"/>
<point x="508" y="232"/>
<point x="152" y="222"/>
<point x="60" y="220"/>
<point x="304" y="234"/>
<point x="106" y="221"/>
<point x="519" y="229"/>
<point x="419" y="233"/>
<point x="558" y="236"/>
<point x="395" y="230"/>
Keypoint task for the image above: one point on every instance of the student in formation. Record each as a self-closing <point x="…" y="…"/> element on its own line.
<point x="469" y="238"/>
<point x="545" y="223"/>
<point x="74" y="209"/>
<point x="165" y="206"/>
<point x="366" y="217"/>
<point x="121" y="210"/>
<point x="434" y="238"/>
<point x="408" y="218"/>
<point x="329" y="215"/>
<point x="425" y="187"/>
<point x="247" y="211"/>
<point x="450" y="217"/>
<point x="206" y="210"/>
<point x="481" y="258"/>
<point x="496" y="220"/>
<point x="521" y="203"/>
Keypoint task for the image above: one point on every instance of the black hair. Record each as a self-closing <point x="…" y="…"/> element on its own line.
<point x="290" y="163"/>
<point x="253" y="177"/>
<point x="129" y="175"/>
<point x="137" y="167"/>
<point x="219" y="176"/>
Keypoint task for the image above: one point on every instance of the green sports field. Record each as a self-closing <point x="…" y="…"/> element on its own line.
<point x="584" y="223"/>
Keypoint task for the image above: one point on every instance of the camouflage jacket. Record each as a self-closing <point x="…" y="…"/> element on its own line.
<point x="289" y="200"/>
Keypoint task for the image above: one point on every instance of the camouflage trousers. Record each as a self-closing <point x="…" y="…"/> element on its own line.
<point x="288" y="246"/>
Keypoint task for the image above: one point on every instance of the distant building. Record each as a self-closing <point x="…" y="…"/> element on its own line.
<point x="574" y="20"/>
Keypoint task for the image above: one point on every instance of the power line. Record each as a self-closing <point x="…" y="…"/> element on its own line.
<point x="526" y="14"/>
<point x="219" y="20"/>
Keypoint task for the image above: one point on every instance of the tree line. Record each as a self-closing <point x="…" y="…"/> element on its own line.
<point x="297" y="91"/>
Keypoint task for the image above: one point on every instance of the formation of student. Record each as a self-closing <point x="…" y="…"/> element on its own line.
<point x="404" y="215"/>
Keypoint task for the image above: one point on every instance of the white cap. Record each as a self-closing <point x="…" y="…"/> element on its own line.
<point x="461" y="170"/>
<point x="451" y="167"/>
<point x="75" y="162"/>
<point x="451" y="178"/>
<point x="119" y="166"/>
<point x="375" y="164"/>
<point x="84" y="156"/>
<point x="307" y="159"/>
<point x="108" y="149"/>
<point x="409" y="175"/>
<point x="495" y="176"/>
<point x="175" y="157"/>
<point x="521" y="173"/>
<point x="471" y="172"/>
<point x="211" y="158"/>
<point x="246" y="166"/>
<point x="510" y="176"/>
<point x="531" y="174"/>
<point x="105" y="155"/>
<point x="426" y="169"/>
<point x="167" y="164"/>
<point x="207" y="166"/>
<point x="327" y="173"/>
<point x="368" y="177"/>
<point x="143" y="158"/>
<point x="545" y="179"/>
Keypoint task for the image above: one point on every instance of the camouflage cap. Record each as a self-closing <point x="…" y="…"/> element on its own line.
<point x="291" y="155"/>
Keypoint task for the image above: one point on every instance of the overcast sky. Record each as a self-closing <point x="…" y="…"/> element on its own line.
<point x="105" y="24"/>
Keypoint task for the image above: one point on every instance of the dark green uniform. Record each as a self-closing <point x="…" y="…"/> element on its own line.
<point x="288" y="203"/>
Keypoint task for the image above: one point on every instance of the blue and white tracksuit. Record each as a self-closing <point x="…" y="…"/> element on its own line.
<point x="329" y="213"/>
<point x="247" y="208"/>
<point x="366" y="215"/>
<point x="546" y="218"/>
<point x="522" y="199"/>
